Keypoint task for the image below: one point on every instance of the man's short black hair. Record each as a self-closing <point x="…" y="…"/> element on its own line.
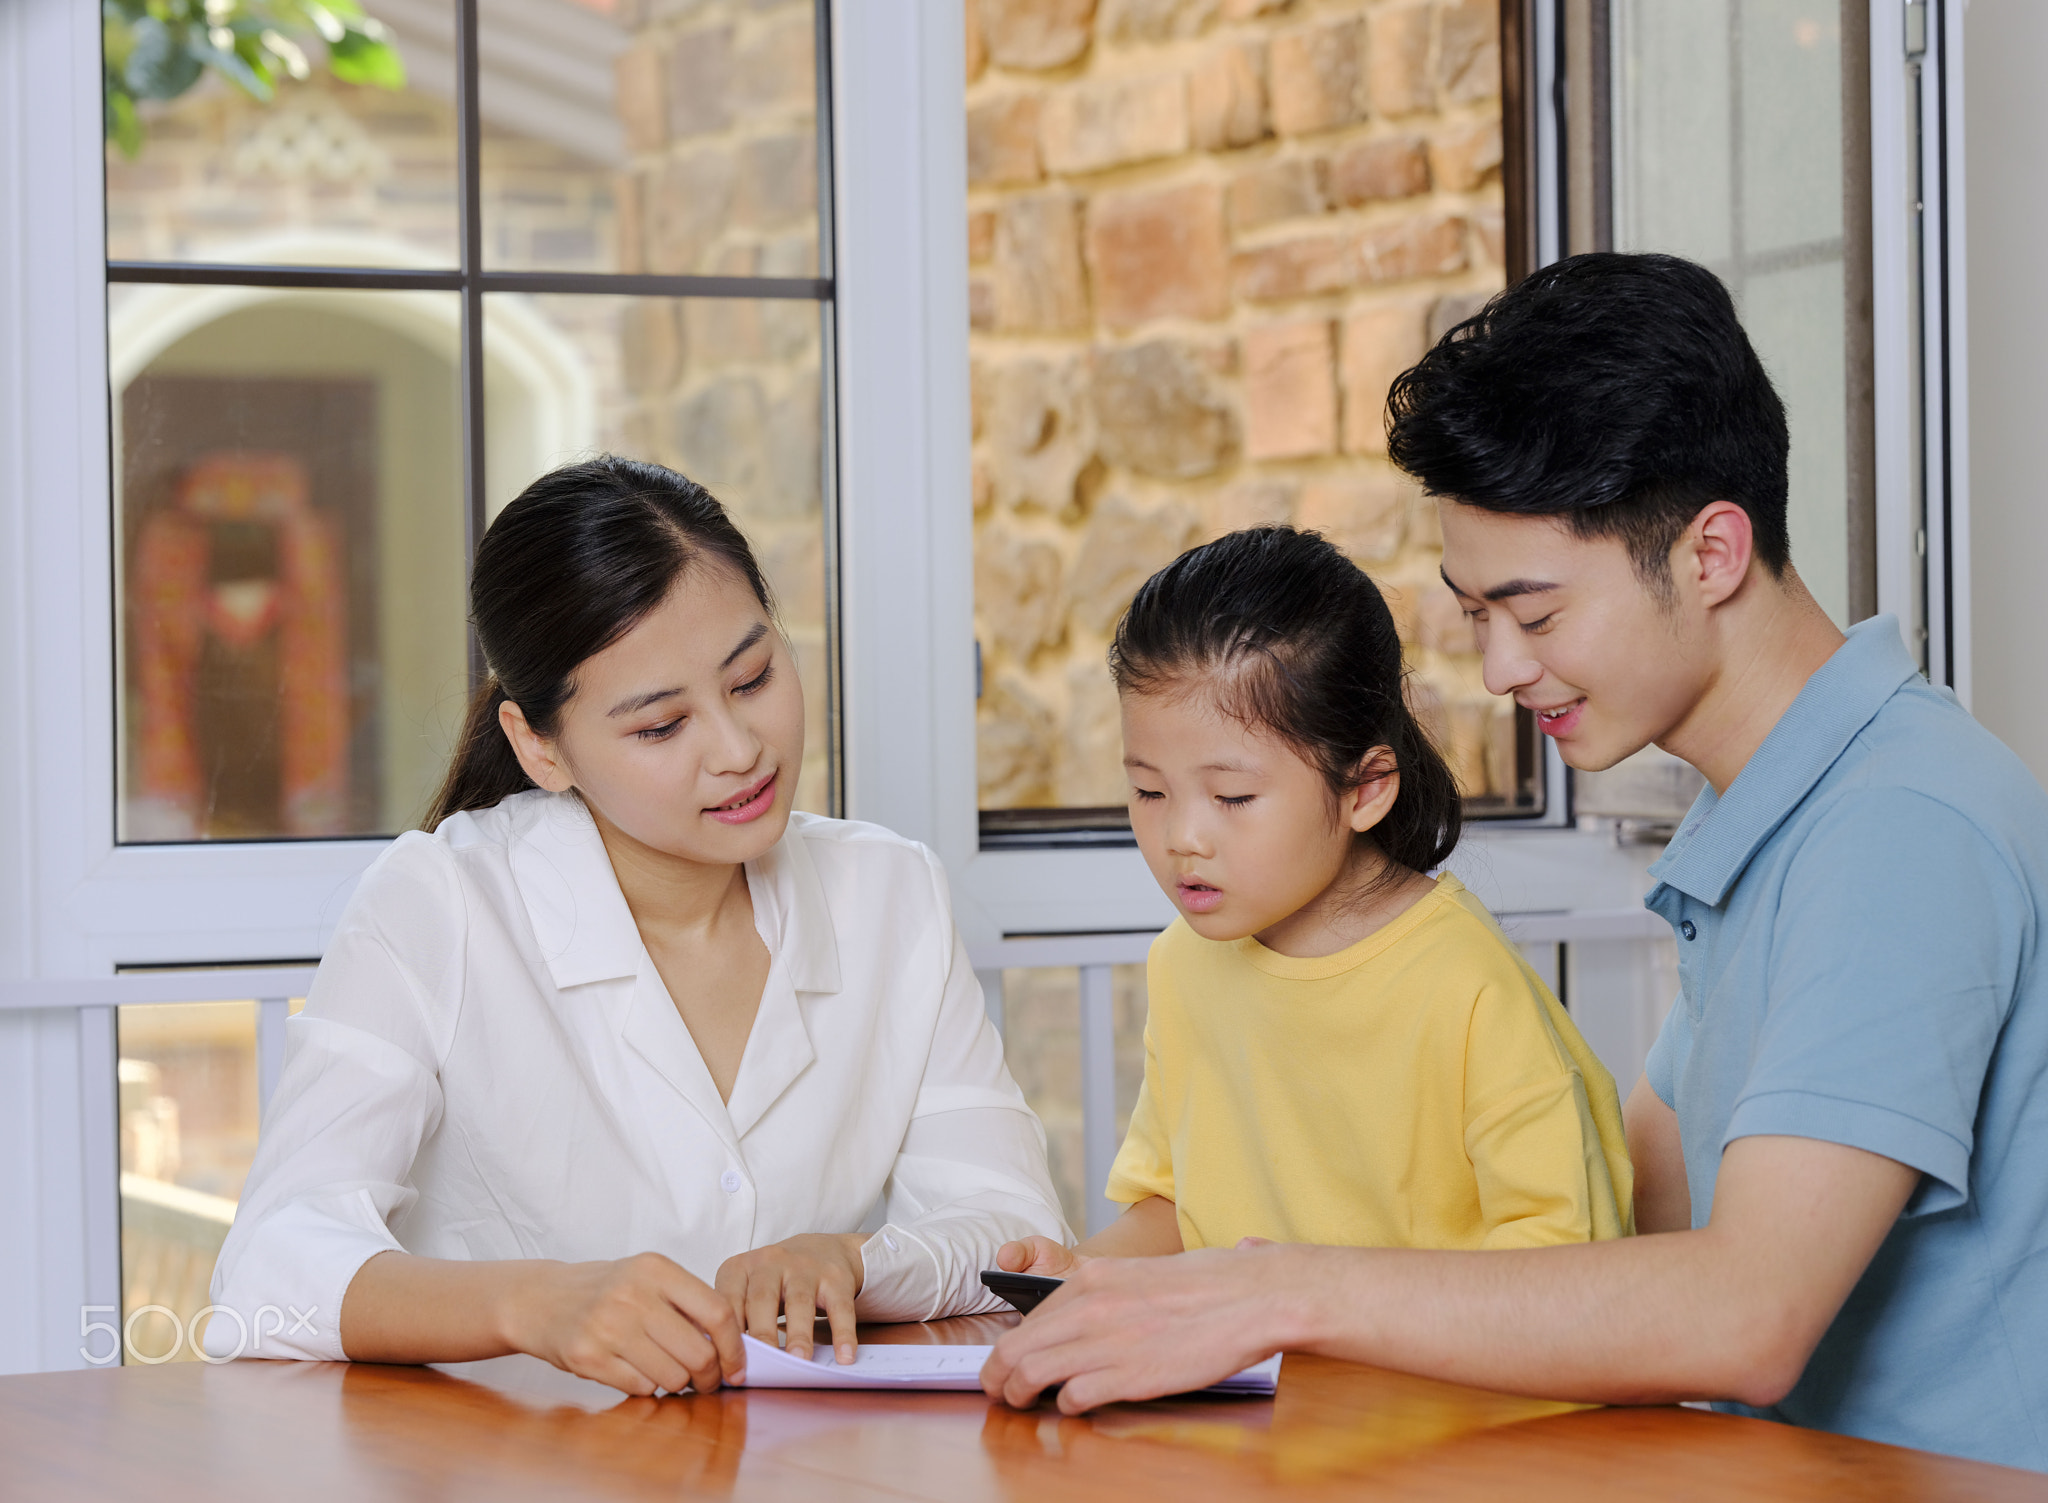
<point x="1616" y="391"/>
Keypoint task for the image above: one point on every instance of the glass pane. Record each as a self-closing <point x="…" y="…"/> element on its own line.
<point x="325" y="173"/>
<point x="291" y="559"/>
<point x="1728" y="149"/>
<point x="1042" y="1045"/>
<point x="724" y="390"/>
<point x="667" y="139"/>
<point x="188" y="1134"/>
<point x="1193" y="274"/>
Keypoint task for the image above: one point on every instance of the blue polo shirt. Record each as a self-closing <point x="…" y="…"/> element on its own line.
<point x="1860" y="922"/>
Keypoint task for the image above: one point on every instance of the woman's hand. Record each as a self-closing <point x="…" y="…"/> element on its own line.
<point x="1041" y="1256"/>
<point x="819" y="1271"/>
<point x="640" y="1324"/>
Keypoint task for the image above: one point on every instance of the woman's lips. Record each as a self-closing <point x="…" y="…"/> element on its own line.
<point x="750" y="805"/>
<point x="1197" y="897"/>
<point x="1562" y="721"/>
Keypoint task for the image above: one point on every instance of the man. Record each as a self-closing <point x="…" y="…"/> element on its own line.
<point x="1841" y="1139"/>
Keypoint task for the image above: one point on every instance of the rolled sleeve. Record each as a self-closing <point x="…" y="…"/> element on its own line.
<point x="1895" y="954"/>
<point x="970" y="1174"/>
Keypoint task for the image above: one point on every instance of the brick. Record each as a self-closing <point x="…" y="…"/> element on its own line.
<point x="1316" y="79"/>
<point x="775" y="70"/>
<point x="637" y="96"/>
<point x="1245" y="10"/>
<point x="1158" y="253"/>
<point x="1012" y="744"/>
<point x="1227" y="98"/>
<point x="699" y="73"/>
<point x="1259" y="501"/>
<point x="1380" y="341"/>
<point x="719" y="437"/>
<point x="776" y="181"/>
<point x="1468" y="52"/>
<point x="1451" y="309"/>
<point x="1466" y="156"/>
<point x="1109" y="124"/>
<point x="1153" y="20"/>
<point x="1302" y="267"/>
<point x="1039" y="283"/>
<point x="629" y="229"/>
<point x="1428" y="245"/>
<point x="981" y="304"/>
<point x="691" y="201"/>
<point x="981" y="236"/>
<point x="650" y="345"/>
<point x="1290" y="390"/>
<point x="1036" y="34"/>
<point x="793" y="559"/>
<point x="1002" y="141"/>
<point x="1441" y="624"/>
<point x="724" y="330"/>
<point x="1017" y="599"/>
<point x="1360" y="513"/>
<point x="1089" y="775"/>
<point x="1490" y="227"/>
<point x="1398" y="76"/>
<point x="1040" y="431"/>
<point x="1391" y="167"/>
<point x="1121" y="549"/>
<point x="1157" y="412"/>
<point x="1288" y="188"/>
<point x="983" y="484"/>
<point x="977" y="44"/>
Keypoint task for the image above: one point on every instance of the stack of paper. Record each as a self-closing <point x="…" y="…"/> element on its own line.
<point x="957" y="1368"/>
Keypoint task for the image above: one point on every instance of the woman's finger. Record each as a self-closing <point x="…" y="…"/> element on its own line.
<point x="800" y="1311"/>
<point x="644" y="1352"/>
<point x="711" y="1313"/>
<point x="1014" y="1257"/>
<point x="694" y="1361"/>
<point x="835" y="1293"/>
<point x="764" y="1304"/>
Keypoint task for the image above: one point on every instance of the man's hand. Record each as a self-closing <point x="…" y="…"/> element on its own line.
<point x="819" y="1271"/>
<point x="1040" y="1256"/>
<point x="1129" y="1329"/>
<point x="639" y="1324"/>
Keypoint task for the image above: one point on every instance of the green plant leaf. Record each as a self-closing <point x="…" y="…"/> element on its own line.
<point x="124" y="126"/>
<point x="161" y="64"/>
<point x="361" y="59"/>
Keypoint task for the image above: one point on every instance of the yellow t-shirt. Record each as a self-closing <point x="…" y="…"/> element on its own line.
<point x="1421" y="1088"/>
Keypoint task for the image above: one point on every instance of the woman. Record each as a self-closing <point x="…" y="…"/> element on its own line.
<point x="622" y="1024"/>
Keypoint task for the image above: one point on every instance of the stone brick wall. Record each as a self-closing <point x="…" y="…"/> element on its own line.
<point x="1204" y="236"/>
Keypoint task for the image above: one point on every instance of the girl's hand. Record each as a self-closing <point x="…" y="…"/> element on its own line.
<point x="798" y="1278"/>
<point x="640" y="1324"/>
<point x="1041" y="1256"/>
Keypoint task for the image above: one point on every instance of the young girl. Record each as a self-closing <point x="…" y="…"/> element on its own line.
<point x="1339" y="1048"/>
<point x="620" y="1056"/>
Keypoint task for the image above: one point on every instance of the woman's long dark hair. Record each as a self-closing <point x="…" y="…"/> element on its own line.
<point x="1298" y="642"/>
<point x="567" y="569"/>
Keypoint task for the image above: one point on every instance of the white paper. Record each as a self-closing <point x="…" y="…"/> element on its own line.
<point x="954" y="1368"/>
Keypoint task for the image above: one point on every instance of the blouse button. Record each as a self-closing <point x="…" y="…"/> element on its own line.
<point x="1686" y="928"/>
<point x="730" y="1180"/>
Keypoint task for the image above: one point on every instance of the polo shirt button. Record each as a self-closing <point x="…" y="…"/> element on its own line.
<point x="1685" y="927"/>
<point x="730" y="1181"/>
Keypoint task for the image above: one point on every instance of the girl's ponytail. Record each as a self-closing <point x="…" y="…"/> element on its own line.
<point x="483" y="770"/>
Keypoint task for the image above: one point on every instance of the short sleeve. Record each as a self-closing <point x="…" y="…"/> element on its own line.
<point x="1667" y="1054"/>
<point x="1894" y="959"/>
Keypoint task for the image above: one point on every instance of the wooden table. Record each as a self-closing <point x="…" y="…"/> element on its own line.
<point x="516" y="1429"/>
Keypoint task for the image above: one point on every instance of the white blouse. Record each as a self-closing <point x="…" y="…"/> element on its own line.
<point x="488" y="1066"/>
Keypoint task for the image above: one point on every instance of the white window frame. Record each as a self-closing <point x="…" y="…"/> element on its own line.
<point x="75" y="905"/>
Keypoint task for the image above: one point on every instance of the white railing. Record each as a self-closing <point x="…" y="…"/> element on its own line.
<point x="1092" y="955"/>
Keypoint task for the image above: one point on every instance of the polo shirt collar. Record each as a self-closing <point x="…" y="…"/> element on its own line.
<point x="586" y="932"/>
<point x="1721" y="834"/>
